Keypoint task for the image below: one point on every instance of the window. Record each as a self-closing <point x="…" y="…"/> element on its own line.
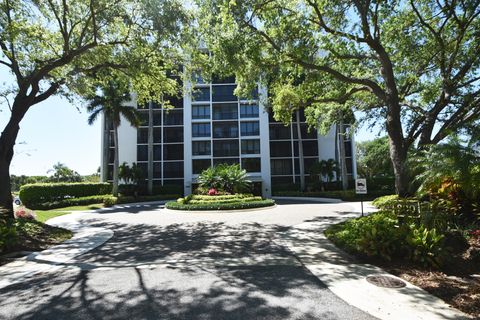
<point x="173" y="134"/>
<point x="201" y="111"/>
<point x="173" y="152"/>
<point x="201" y="94"/>
<point x="279" y="132"/>
<point x="248" y="111"/>
<point x="144" y="167"/>
<point x="157" y="135"/>
<point x="173" y="117"/>
<point x="250" y="146"/>
<point x="219" y="79"/>
<point x="143" y="115"/>
<point x="176" y="102"/>
<point x="251" y="164"/>
<point x="312" y="134"/>
<point x="225" y="130"/>
<point x="157" y="153"/>
<point x="228" y="161"/>
<point x="280" y="149"/>
<point x="200" y="165"/>
<point x="157" y="170"/>
<point x="310" y="148"/>
<point x="142" y="153"/>
<point x="225" y="111"/>
<point x="111" y="155"/>
<point x="225" y="148"/>
<point x="281" y="166"/>
<point x="201" y="148"/>
<point x="201" y="130"/>
<point x="157" y="118"/>
<point x="224" y="93"/>
<point x="142" y="135"/>
<point x="250" y="128"/>
<point x="173" y="169"/>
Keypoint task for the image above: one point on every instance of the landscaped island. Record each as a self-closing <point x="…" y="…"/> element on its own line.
<point x="219" y="202"/>
<point x="222" y="187"/>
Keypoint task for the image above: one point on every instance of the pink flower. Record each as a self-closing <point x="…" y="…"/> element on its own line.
<point x="212" y="192"/>
<point x="23" y="213"/>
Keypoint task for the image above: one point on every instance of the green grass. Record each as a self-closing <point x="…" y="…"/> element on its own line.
<point x="44" y="215"/>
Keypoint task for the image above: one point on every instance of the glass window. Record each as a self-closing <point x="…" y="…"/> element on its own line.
<point x="250" y="146"/>
<point x="251" y="164"/>
<point x="280" y="149"/>
<point x="143" y="115"/>
<point x="222" y="79"/>
<point x="157" y="153"/>
<point x="225" y="111"/>
<point x="279" y="132"/>
<point x="142" y="135"/>
<point x="248" y="111"/>
<point x="144" y="167"/>
<point x="201" y="111"/>
<point x="173" y="169"/>
<point x="250" y="128"/>
<point x="157" y="135"/>
<point x="173" y="134"/>
<point x="173" y="117"/>
<point x="176" y="102"/>
<point x="224" y="93"/>
<point x="142" y="153"/>
<point x="305" y="133"/>
<point x="111" y="155"/>
<point x="157" y="118"/>
<point x="253" y="95"/>
<point x="228" y="161"/>
<point x="200" y="165"/>
<point x="201" y="94"/>
<point x="201" y="148"/>
<point x="281" y="166"/>
<point x="173" y="152"/>
<point x="310" y="148"/>
<point x="157" y="170"/>
<point x="225" y="129"/>
<point x="200" y="129"/>
<point x="225" y="148"/>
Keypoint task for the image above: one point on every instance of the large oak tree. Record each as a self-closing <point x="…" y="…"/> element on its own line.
<point x="66" y="47"/>
<point x="411" y="65"/>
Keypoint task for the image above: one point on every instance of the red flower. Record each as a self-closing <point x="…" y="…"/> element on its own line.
<point x="212" y="192"/>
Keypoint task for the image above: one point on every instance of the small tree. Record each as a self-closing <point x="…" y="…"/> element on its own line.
<point x="62" y="173"/>
<point x="223" y="177"/>
<point x="110" y="100"/>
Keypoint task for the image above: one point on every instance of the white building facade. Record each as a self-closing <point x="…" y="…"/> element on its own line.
<point x="209" y="125"/>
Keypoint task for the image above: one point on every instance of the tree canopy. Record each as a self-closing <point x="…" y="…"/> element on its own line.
<point x="413" y="65"/>
<point x="373" y="158"/>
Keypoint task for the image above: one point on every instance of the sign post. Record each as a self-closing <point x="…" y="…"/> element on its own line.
<point x="361" y="188"/>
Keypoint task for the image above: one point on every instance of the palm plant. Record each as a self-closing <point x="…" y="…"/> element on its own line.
<point x="228" y="178"/>
<point x="110" y="99"/>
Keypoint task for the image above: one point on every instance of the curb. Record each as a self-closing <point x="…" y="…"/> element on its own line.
<point x="51" y="259"/>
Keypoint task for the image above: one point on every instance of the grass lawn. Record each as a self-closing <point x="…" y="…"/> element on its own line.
<point x="44" y="215"/>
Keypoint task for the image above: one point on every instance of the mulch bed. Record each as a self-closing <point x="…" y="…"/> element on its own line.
<point x="458" y="283"/>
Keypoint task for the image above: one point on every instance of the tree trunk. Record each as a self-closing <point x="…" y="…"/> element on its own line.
<point x="300" y="154"/>
<point x="343" y="163"/>
<point x="115" y="162"/>
<point x="399" y="159"/>
<point x="7" y="141"/>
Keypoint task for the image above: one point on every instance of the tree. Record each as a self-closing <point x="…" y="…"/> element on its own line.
<point x="373" y="158"/>
<point x="414" y="65"/>
<point x="110" y="100"/>
<point x="62" y="173"/>
<point x="57" y="47"/>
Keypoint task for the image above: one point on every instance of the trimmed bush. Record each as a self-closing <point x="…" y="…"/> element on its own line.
<point x="385" y="201"/>
<point x="71" y="202"/>
<point x="175" y="205"/>
<point x="34" y="195"/>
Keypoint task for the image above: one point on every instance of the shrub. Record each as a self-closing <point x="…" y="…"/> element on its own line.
<point x="174" y="205"/>
<point x="32" y="195"/>
<point x="109" y="201"/>
<point x="426" y="246"/>
<point x="385" y="201"/>
<point x="223" y="177"/>
<point x="8" y="234"/>
<point x="71" y="202"/>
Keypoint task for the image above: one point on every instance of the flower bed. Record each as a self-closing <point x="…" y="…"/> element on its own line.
<point x="219" y="202"/>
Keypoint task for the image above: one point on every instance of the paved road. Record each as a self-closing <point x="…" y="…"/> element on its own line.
<point x="170" y="265"/>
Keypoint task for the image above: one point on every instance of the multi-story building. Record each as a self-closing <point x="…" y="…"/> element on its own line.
<point x="209" y="126"/>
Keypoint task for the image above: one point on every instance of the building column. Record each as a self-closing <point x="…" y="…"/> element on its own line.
<point x="187" y="140"/>
<point x="264" y="143"/>
<point x="150" y="147"/>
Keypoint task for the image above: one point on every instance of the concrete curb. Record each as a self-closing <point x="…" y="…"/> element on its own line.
<point x="348" y="281"/>
<point x="310" y="199"/>
<point x="50" y="260"/>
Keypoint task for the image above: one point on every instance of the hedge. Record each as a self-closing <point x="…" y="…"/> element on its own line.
<point x="220" y="205"/>
<point x="34" y="195"/>
<point x="348" y="195"/>
<point x="82" y="201"/>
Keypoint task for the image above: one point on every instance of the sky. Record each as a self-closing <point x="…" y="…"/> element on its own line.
<point x="57" y="131"/>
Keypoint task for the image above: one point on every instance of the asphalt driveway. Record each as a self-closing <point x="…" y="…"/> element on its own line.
<point x="161" y="264"/>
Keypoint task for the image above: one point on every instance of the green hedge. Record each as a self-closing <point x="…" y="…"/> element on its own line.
<point x="34" y="195"/>
<point x="72" y="202"/>
<point x="220" y="205"/>
<point x="348" y="195"/>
